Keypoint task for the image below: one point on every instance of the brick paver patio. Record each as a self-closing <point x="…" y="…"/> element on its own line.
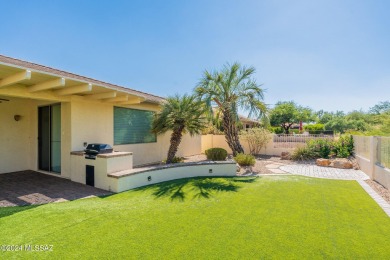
<point x="29" y="187"/>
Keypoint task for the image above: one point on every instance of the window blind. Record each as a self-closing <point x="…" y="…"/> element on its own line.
<point x="132" y="126"/>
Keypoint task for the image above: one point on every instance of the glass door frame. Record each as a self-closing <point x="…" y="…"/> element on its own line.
<point x="45" y="154"/>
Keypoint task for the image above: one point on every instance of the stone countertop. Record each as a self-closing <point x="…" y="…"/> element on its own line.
<point x="104" y="155"/>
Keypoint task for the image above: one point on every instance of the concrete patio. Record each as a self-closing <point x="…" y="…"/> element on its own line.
<point x="30" y="188"/>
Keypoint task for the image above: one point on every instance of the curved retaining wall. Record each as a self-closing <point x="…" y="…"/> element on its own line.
<point x="135" y="178"/>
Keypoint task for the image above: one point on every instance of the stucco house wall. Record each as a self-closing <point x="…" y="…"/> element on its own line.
<point x="16" y="137"/>
<point x="94" y="123"/>
<point x="87" y="116"/>
<point x="81" y="121"/>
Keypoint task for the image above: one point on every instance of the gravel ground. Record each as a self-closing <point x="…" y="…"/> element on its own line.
<point x="263" y="160"/>
<point x="382" y="191"/>
<point x="195" y="158"/>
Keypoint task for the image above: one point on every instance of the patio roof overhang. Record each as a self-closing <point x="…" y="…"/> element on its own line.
<point x="29" y="80"/>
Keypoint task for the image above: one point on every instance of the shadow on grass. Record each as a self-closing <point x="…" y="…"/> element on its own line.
<point x="200" y="188"/>
<point x="105" y="196"/>
<point x="8" y="211"/>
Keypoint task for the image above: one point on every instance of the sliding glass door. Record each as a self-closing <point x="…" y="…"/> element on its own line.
<point x="49" y="138"/>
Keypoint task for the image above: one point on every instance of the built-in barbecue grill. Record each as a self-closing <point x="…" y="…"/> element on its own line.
<point x="92" y="150"/>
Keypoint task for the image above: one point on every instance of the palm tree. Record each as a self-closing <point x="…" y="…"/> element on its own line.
<point x="230" y="89"/>
<point x="180" y="114"/>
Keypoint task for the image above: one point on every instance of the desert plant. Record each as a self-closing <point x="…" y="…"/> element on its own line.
<point x="175" y="160"/>
<point x="245" y="159"/>
<point x="342" y="152"/>
<point x="320" y="148"/>
<point x="302" y="153"/>
<point x="257" y="138"/>
<point x="349" y="143"/>
<point x="179" y="114"/>
<point x="315" y="148"/>
<point x="344" y="146"/>
<point x="230" y="89"/>
<point x="324" y="148"/>
<point x="216" y="154"/>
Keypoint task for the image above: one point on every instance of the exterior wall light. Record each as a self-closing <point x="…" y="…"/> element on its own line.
<point x="17" y="117"/>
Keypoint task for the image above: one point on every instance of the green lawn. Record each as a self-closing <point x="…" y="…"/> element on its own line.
<point x="214" y="218"/>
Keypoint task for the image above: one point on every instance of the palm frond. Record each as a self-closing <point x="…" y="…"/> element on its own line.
<point x="185" y="112"/>
<point x="233" y="87"/>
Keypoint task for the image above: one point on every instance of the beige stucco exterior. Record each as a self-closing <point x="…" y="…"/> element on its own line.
<point x="366" y="155"/>
<point x="16" y="137"/>
<point x="115" y="173"/>
<point x="87" y="112"/>
<point x="212" y="141"/>
<point x="19" y="138"/>
<point x="82" y="121"/>
<point x="103" y="166"/>
<point x="161" y="175"/>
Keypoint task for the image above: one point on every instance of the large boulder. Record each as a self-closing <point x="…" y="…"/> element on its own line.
<point x="323" y="162"/>
<point x="342" y="163"/>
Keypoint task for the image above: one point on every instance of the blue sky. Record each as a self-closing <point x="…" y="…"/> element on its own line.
<point x="331" y="55"/>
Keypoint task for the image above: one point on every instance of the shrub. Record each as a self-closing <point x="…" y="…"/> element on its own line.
<point x="276" y="129"/>
<point x="315" y="148"/>
<point x="321" y="148"/>
<point x="257" y="138"/>
<point x="324" y="148"/>
<point x="303" y="153"/>
<point x="342" y="152"/>
<point x="315" y="128"/>
<point x="344" y="146"/>
<point x="245" y="159"/>
<point x="216" y="154"/>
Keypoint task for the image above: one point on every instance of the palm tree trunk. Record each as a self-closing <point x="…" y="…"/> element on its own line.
<point x="175" y="141"/>
<point x="231" y="132"/>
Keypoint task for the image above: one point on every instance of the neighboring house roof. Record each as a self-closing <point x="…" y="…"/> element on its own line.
<point x="4" y="60"/>
<point x="247" y="120"/>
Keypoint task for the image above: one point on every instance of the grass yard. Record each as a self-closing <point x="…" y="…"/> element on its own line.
<point x="208" y="218"/>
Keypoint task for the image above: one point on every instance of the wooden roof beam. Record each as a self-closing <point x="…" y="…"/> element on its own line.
<point x="104" y="95"/>
<point x="133" y="101"/>
<point x="15" y="78"/>
<point x="118" y="99"/>
<point x="74" y="90"/>
<point x="55" y="83"/>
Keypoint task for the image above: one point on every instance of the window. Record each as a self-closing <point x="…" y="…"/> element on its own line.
<point x="132" y="126"/>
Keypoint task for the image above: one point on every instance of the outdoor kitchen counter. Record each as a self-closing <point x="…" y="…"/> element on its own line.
<point x="99" y="167"/>
<point x="104" y="155"/>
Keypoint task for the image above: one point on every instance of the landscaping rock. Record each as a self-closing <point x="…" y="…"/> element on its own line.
<point x="323" y="162"/>
<point x="238" y="167"/>
<point x="354" y="162"/>
<point x="285" y="156"/>
<point x="342" y="164"/>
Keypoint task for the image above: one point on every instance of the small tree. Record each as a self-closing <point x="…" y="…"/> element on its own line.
<point x="180" y="114"/>
<point x="231" y="88"/>
<point x="257" y="139"/>
<point x="285" y="114"/>
<point x="381" y="107"/>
